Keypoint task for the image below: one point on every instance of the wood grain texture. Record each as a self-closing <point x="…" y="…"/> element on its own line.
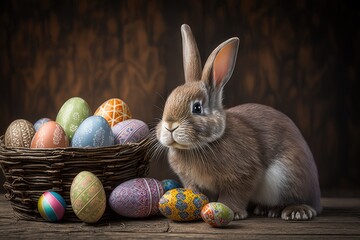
<point x="298" y="56"/>
<point x="339" y="220"/>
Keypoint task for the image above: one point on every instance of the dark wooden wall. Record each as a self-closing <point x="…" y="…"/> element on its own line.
<point x="301" y="57"/>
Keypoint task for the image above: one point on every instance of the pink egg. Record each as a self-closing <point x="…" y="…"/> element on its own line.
<point x="137" y="198"/>
<point x="51" y="206"/>
<point x="50" y="135"/>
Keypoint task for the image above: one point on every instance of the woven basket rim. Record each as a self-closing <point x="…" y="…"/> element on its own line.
<point x="3" y="148"/>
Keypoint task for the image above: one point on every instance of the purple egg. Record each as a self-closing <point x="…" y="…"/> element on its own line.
<point x="40" y="122"/>
<point x="137" y="198"/>
<point x="130" y="131"/>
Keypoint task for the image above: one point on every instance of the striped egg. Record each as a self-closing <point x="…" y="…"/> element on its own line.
<point x="87" y="196"/>
<point x="51" y="206"/>
<point x="136" y="198"/>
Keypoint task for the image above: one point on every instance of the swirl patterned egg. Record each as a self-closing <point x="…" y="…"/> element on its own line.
<point x="71" y="114"/>
<point x="217" y="214"/>
<point x="181" y="204"/>
<point x="136" y="198"/>
<point x="130" y="131"/>
<point x="88" y="198"/>
<point x="50" y="135"/>
<point x="93" y="132"/>
<point x="19" y="134"/>
<point x="114" y="111"/>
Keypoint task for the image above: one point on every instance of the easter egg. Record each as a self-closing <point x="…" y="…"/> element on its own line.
<point x="40" y="122"/>
<point x="136" y="198"/>
<point x="51" y="206"/>
<point x="19" y="134"/>
<point x="71" y="114"/>
<point x="217" y="214"/>
<point x="93" y="132"/>
<point x="88" y="198"/>
<point x="181" y="204"/>
<point x="114" y="111"/>
<point x="50" y="135"/>
<point x="169" y="184"/>
<point x="130" y="131"/>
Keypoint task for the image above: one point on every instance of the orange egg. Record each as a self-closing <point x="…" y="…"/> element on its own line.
<point x="50" y="135"/>
<point x="114" y="111"/>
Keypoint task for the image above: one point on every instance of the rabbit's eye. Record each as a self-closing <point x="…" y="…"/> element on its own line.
<point x="197" y="108"/>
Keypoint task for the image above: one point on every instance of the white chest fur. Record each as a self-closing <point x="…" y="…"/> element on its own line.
<point x="269" y="189"/>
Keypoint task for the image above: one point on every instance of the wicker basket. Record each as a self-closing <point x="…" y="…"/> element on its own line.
<point x="30" y="172"/>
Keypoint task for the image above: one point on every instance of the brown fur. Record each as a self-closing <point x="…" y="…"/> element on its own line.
<point x="249" y="153"/>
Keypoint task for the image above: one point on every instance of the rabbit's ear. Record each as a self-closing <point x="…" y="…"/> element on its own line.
<point x="220" y="64"/>
<point x="191" y="56"/>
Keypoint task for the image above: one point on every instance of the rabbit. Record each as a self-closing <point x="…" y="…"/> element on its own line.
<point x="248" y="154"/>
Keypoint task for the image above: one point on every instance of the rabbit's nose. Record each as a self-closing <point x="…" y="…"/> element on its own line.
<point x="171" y="126"/>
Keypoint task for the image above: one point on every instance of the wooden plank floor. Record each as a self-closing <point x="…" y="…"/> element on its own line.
<point x="339" y="220"/>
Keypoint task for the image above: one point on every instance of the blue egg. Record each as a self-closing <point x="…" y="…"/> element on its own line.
<point x="169" y="184"/>
<point x="40" y="122"/>
<point x="94" y="131"/>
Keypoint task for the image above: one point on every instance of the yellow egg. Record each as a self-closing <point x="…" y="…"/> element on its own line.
<point x="88" y="198"/>
<point x="181" y="204"/>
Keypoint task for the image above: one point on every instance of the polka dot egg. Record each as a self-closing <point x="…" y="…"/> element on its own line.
<point x="217" y="214"/>
<point x="181" y="204"/>
<point x="51" y="206"/>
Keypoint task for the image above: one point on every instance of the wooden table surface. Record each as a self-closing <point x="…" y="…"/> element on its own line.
<point x="339" y="220"/>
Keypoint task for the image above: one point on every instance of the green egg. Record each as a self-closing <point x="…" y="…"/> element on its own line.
<point x="71" y="114"/>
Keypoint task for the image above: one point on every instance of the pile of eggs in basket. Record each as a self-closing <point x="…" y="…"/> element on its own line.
<point x="74" y="126"/>
<point x="111" y="124"/>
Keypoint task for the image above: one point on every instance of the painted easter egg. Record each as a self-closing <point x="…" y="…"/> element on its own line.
<point x="40" y="122"/>
<point x="93" y="132"/>
<point x="71" y="114"/>
<point x="217" y="214"/>
<point x="88" y="198"/>
<point x="114" y="111"/>
<point x="19" y="134"/>
<point x="169" y="184"/>
<point x="181" y="204"/>
<point x="50" y="135"/>
<point x="136" y="198"/>
<point x="130" y="131"/>
<point x="51" y="206"/>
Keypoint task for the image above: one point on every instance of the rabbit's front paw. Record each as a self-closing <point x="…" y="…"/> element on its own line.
<point x="298" y="213"/>
<point x="240" y="215"/>
<point x="272" y="212"/>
